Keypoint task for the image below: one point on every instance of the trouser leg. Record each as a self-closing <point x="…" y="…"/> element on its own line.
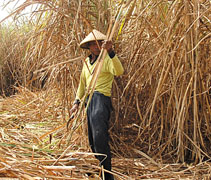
<point x="90" y="136"/>
<point x="98" y="123"/>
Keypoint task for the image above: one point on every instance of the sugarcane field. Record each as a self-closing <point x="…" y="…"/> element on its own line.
<point x="105" y="89"/>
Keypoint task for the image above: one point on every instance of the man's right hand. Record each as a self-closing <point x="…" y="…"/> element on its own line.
<point x="74" y="108"/>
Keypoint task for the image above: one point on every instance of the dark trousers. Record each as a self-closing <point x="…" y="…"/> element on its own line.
<point x="98" y="115"/>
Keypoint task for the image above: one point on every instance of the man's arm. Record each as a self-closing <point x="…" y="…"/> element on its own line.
<point x="80" y="92"/>
<point x="115" y="67"/>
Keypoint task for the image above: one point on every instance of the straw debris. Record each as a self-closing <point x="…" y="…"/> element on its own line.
<point x="160" y="128"/>
<point x="25" y="154"/>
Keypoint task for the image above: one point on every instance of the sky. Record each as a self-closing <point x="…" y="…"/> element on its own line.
<point x="5" y="12"/>
<point x="12" y="6"/>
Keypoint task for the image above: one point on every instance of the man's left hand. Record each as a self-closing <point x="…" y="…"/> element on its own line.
<point x="107" y="45"/>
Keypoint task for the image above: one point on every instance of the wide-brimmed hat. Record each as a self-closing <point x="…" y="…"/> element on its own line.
<point x="92" y="36"/>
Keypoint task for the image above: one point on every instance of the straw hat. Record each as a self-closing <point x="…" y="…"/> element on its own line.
<point x="97" y="36"/>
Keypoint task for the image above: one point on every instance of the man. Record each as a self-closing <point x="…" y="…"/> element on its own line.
<point x="100" y="107"/>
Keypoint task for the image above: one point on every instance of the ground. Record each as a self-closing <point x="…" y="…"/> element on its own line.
<point x="38" y="146"/>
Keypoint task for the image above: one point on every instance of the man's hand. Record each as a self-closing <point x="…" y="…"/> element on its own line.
<point x="107" y="45"/>
<point x="74" y="108"/>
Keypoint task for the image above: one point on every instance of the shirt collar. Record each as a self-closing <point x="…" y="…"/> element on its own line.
<point x="90" y="57"/>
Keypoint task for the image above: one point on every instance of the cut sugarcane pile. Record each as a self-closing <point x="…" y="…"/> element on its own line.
<point x="26" y="154"/>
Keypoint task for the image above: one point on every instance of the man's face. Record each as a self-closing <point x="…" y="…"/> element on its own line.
<point x="94" y="48"/>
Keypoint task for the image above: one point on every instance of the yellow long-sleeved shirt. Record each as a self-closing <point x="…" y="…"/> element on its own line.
<point x="111" y="67"/>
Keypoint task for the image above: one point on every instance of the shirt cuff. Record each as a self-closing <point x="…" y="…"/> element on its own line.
<point x="111" y="54"/>
<point x="77" y="101"/>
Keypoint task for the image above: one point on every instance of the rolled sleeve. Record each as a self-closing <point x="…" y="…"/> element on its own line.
<point x="116" y="66"/>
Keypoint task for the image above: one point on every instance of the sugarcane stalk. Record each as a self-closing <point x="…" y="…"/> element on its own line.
<point x="92" y="85"/>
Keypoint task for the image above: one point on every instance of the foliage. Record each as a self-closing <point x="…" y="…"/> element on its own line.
<point x="162" y="102"/>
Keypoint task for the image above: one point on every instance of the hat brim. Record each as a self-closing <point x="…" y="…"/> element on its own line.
<point x="93" y="36"/>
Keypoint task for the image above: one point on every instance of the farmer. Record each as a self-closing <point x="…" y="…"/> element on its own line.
<point x="100" y="107"/>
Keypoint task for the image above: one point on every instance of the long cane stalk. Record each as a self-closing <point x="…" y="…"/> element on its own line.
<point x="91" y="88"/>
